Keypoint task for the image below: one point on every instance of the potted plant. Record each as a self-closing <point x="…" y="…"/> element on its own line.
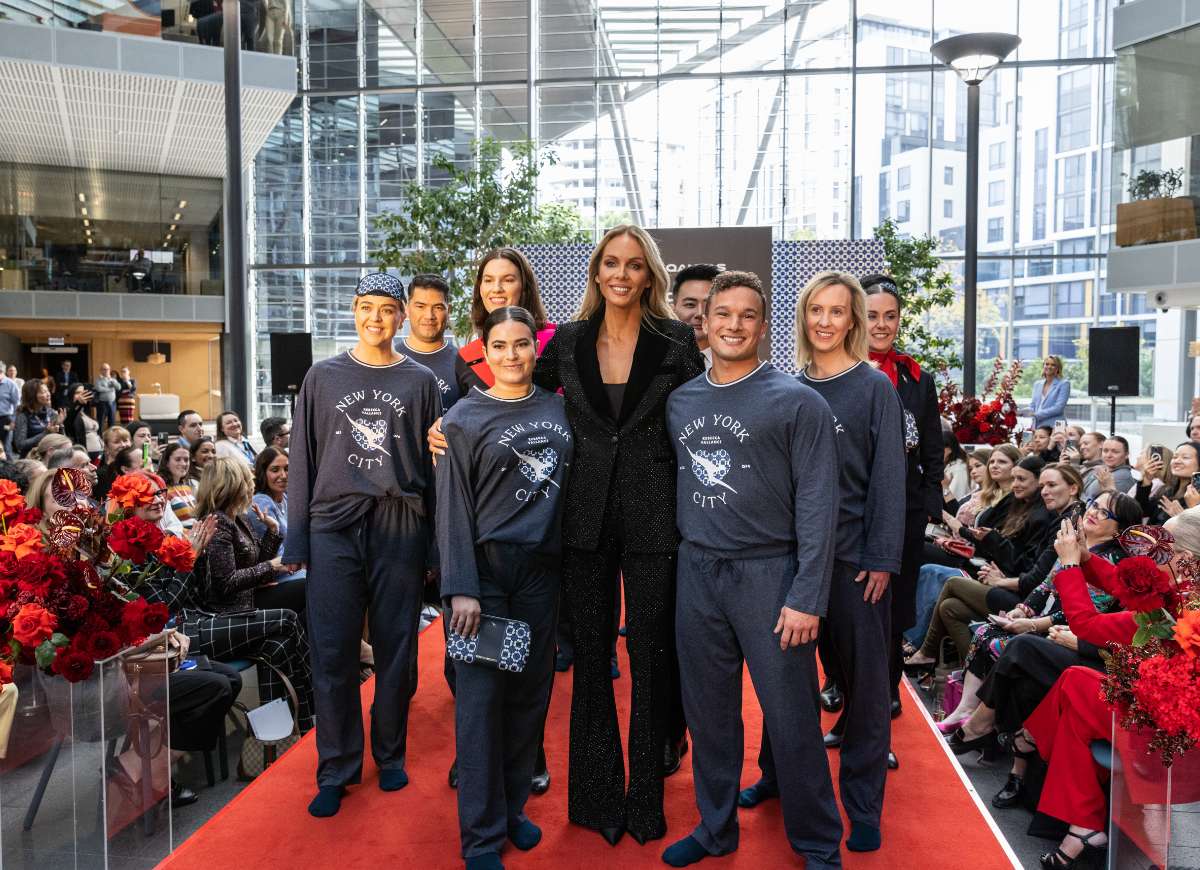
<point x="1155" y="214"/>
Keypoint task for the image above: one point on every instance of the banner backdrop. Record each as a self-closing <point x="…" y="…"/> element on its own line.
<point x="562" y="271"/>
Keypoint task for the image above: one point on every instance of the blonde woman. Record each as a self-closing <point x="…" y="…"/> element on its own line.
<point x="241" y="569"/>
<point x="616" y="363"/>
<point x="832" y="348"/>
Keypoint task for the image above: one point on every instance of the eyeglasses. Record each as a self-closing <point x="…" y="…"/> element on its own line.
<point x="1102" y="511"/>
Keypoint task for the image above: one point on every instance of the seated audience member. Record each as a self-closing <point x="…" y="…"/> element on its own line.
<point x="956" y="476"/>
<point x="61" y="457"/>
<point x="1015" y="545"/>
<point x="995" y="481"/>
<point x="50" y="444"/>
<point x="191" y="428"/>
<point x="242" y="569"/>
<point x="1058" y="488"/>
<point x="141" y="436"/>
<point x="1074" y="713"/>
<point x="1061" y="487"/>
<point x="115" y="439"/>
<point x="174" y="467"/>
<point x="127" y="459"/>
<point x="1166" y="488"/>
<point x="1112" y="472"/>
<point x="1042" y="444"/>
<point x="31" y="468"/>
<point x="35" y="417"/>
<point x="82" y="460"/>
<point x="270" y="497"/>
<point x="1192" y="429"/>
<point x="1086" y="451"/>
<point x="1040" y="611"/>
<point x="12" y="470"/>
<point x="230" y="442"/>
<point x="79" y="425"/>
<point x="276" y="432"/>
<point x="201" y="453"/>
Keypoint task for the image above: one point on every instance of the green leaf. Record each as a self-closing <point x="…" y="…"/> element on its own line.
<point x="59" y="639"/>
<point x="1141" y="637"/>
<point x="44" y="654"/>
<point x="1142" y="619"/>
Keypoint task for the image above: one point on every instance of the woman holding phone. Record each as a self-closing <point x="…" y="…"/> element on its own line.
<point x="499" y="495"/>
<point x="1161" y="503"/>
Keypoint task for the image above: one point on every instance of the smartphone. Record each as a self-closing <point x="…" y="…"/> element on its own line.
<point x="145" y="454"/>
<point x="1156" y="450"/>
<point x="1026" y="437"/>
<point x="1072" y="443"/>
<point x="1196" y="481"/>
<point x="1060" y="426"/>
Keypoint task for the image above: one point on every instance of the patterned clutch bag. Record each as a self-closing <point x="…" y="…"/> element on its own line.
<point x="501" y="643"/>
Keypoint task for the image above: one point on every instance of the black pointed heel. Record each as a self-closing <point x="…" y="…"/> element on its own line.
<point x="960" y="745"/>
<point x="1058" y="859"/>
<point x="612" y="835"/>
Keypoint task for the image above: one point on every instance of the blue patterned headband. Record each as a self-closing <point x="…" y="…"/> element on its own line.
<point x="381" y="284"/>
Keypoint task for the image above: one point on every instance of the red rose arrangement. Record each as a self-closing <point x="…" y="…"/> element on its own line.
<point x="68" y="594"/>
<point x="1154" y="682"/>
<point x="988" y="418"/>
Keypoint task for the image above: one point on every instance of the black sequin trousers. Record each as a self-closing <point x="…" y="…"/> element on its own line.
<point x="597" y="796"/>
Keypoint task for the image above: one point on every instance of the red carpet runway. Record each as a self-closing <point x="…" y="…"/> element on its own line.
<point x="930" y="818"/>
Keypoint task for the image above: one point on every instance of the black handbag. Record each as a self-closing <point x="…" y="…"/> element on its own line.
<point x="500" y="643"/>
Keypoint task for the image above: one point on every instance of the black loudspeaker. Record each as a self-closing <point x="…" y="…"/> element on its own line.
<point x="1113" y="364"/>
<point x="291" y="358"/>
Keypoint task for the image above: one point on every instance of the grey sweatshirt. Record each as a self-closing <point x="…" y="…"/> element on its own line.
<point x="441" y="363"/>
<point x="501" y="480"/>
<point x="358" y="435"/>
<point x="756" y="476"/>
<point x="106" y="388"/>
<point x="868" y="423"/>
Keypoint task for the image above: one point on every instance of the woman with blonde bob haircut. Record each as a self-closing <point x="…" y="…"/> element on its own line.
<point x="856" y="344"/>
<point x="616" y="363"/>
<point x="832" y="348"/>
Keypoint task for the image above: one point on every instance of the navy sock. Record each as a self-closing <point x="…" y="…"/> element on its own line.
<point x="863" y="837"/>
<point x="684" y="852"/>
<point x="751" y="797"/>
<point x="393" y="779"/>
<point x="327" y="802"/>
<point x="525" y="835"/>
<point x="486" y="861"/>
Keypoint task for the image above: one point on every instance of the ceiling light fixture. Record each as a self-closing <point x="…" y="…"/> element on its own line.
<point x="83" y="211"/>
<point x="182" y="203"/>
<point x="86" y="222"/>
<point x="178" y="216"/>
<point x="155" y="358"/>
<point x="173" y="227"/>
<point x="82" y="198"/>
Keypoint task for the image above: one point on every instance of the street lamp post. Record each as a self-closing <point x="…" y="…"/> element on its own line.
<point x="972" y="56"/>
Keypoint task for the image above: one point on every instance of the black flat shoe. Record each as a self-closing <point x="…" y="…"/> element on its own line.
<point x="613" y="835"/>
<point x="540" y="784"/>
<point x="452" y="776"/>
<point x="832" y="740"/>
<point x="182" y="796"/>
<point x="896" y="708"/>
<point x="1009" y="796"/>
<point x="832" y="698"/>
<point x="960" y="745"/>
<point x="893" y="762"/>
<point x="562" y="663"/>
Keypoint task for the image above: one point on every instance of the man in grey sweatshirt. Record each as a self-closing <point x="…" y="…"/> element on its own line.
<point x="360" y="499"/>
<point x="106" y="397"/>
<point x="757" y="498"/>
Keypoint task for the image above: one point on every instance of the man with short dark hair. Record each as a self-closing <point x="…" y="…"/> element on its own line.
<point x="757" y="507"/>
<point x="191" y="428"/>
<point x="428" y="316"/>
<point x="276" y="432"/>
<point x="64" y="380"/>
<point x="689" y="292"/>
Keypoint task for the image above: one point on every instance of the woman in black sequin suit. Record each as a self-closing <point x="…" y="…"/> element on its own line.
<point x="616" y="363"/>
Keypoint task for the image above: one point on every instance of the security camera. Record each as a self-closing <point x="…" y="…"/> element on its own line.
<point x="1160" y="299"/>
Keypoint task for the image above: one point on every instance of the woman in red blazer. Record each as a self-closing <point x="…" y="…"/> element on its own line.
<point x="1074" y="713"/>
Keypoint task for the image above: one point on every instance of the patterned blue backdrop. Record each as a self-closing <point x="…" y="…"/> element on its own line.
<point x="562" y="274"/>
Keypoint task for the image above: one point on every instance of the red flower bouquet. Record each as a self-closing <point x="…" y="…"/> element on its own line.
<point x="68" y="593"/>
<point x="1153" y="683"/>
<point x="988" y="418"/>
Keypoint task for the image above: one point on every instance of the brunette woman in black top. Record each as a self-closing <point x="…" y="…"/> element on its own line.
<point x="616" y="362"/>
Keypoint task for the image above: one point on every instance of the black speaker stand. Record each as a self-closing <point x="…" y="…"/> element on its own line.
<point x="1112" y="415"/>
<point x="292" y="404"/>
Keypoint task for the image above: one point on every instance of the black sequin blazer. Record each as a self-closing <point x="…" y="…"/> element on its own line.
<point x="633" y="452"/>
